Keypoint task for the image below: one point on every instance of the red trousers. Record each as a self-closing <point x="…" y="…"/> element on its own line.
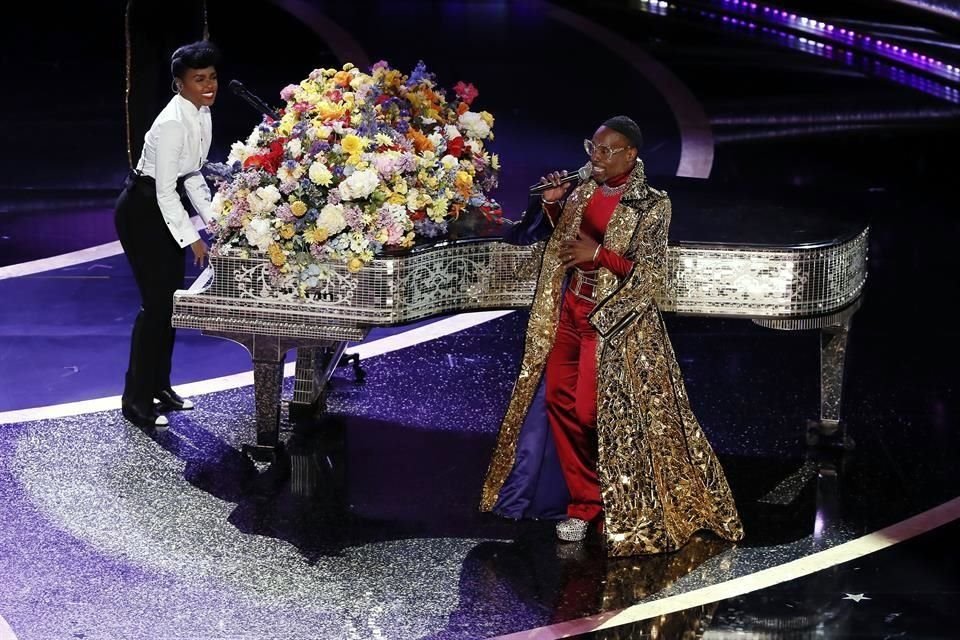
<point x="571" y="398"/>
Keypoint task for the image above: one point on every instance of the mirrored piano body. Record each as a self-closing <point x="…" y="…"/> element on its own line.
<point x="812" y="278"/>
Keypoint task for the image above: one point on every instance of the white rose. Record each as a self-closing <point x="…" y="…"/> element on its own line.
<point x="449" y="162"/>
<point x="295" y="148"/>
<point x="264" y="199"/>
<point x="331" y="219"/>
<point x="239" y="152"/>
<point x="359" y="185"/>
<point x="413" y="199"/>
<point x="290" y="175"/>
<point x="259" y="233"/>
<point x="452" y="132"/>
<point x="474" y="125"/>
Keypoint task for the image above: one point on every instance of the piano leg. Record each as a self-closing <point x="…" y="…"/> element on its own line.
<point x="268" y="354"/>
<point x="833" y="349"/>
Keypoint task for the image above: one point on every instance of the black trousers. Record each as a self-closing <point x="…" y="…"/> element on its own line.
<point x="158" y="266"/>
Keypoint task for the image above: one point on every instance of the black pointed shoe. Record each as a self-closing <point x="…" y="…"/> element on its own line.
<point x="170" y="400"/>
<point x="144" y="418"/>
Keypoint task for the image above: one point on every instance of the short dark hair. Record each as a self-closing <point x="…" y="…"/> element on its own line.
<point x="625" y="126"/>
<point x="196" y="55"/>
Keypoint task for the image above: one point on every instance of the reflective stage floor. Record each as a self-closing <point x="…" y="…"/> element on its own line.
<point x="368" y="526"/>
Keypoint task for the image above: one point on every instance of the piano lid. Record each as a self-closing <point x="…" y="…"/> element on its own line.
<point x="709" y="214"/>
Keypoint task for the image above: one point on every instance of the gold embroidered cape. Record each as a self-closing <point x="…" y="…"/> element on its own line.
<point x="659" y="478"/>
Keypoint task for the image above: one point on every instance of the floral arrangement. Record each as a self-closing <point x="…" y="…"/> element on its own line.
<point x="357" y="163"/>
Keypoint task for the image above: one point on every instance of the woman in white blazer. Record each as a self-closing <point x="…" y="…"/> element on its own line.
<point x="155" y="228"/>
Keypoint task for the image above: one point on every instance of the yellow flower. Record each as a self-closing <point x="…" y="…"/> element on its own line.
<point x="286" y="123"/>
<point x="495" y="162"/>
<point x="487" y="117"/>
<point x="354" y="265"/>
<point x="353" y="145"/>
<point x="319" y="174"/>
<point x="439" y="210"/>
<point x="392" y="78"/>
<point x="400" y="185"/>
<point x="327" y="111"/>
<point x="463" y="180"/>
<point x="463" y="183"/>
<point x="381" y="236"/>
<point x="315" y="235"/>
<point x="287" y="231"/>
<point x="298" y="207"/>
<point x="276" y="255"/>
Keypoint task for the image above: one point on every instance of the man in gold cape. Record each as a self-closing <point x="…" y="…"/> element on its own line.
<point x="659" y="479"/>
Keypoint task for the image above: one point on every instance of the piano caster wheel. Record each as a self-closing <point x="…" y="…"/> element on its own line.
<point x="359" y="375"/>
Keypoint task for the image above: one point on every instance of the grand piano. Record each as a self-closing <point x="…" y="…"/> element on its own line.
<point x="783" y="262"/>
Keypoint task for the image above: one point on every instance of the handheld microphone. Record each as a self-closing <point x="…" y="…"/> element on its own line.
<point x="243" y="93"/>
<point x="580" y="175"/>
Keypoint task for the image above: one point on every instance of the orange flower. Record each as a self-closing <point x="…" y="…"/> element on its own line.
<point x="420" y="142"/>
<point x="462" y="108"/>
<point x="342" y="79"/>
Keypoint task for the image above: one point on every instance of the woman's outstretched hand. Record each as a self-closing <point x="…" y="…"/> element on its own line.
<point x="200" y="251"/>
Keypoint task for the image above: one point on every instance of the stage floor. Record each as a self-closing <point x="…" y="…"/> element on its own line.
<point x="368" y="527"/>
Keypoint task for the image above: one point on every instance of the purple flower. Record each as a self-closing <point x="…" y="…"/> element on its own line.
<point x="430" y="229"/>
<point x="299" y="128"/>
<point x="354" y="216"/>
<point x="419" y="74"/>
<point x="286" y="94"/>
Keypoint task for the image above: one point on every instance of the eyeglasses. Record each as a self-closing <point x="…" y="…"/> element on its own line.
<point x="603" y="151"/>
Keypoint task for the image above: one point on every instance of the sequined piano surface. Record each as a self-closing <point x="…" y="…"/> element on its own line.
<point x="784" y="266"/>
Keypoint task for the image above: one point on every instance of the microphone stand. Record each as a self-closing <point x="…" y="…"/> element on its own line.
<point x="244" y="94"/>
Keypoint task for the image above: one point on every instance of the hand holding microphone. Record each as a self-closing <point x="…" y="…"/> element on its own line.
<point x="555" y="185"/>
